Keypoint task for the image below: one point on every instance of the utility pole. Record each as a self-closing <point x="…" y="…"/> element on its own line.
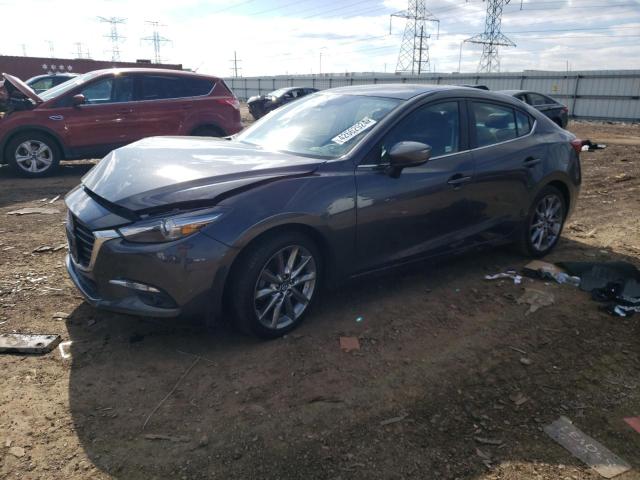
<point x="492" y="37"/>
<point x="113" y="35"/>
<point x="24" y="50"/>
<point x="156" y="39"/>
<point x="78" y="52"/>
<point x="414" y="49"/>
<point x="234" y="61"/>
<point x="51" y="50"/>
<point x="320" y="68"/>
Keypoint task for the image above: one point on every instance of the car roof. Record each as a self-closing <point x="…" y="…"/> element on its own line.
<point x="183" y="73"/>
<point x="512" y="92"/>
<point x="406" y="91"/>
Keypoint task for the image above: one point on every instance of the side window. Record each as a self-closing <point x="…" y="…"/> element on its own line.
<point x="160" y="88"/>
<point x="523" y="123"/>
<point x="98" y="92"/>
<point x="42" y="84"/>
<point x="436" y="125"/>
<point x="493" y="123"/>
<point x="536" y="100"/>
<point x="196" y="87"/>
<point x="123" y="89"/>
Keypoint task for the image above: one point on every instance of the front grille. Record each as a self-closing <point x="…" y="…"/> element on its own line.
<point x="84" y="242"/>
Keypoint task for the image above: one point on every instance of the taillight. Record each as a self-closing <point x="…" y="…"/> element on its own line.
<point x="577" y="145"/>
<point x="565" y="109"/>
<point x="229" y="101"/>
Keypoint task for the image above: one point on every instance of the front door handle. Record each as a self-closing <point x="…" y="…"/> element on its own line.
<point x="458" y="180"/>
<point x="531" y="162"/>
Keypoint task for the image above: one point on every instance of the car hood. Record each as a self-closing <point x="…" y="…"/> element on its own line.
<point x="14" y="82"/>
<point x="159" y="173"/>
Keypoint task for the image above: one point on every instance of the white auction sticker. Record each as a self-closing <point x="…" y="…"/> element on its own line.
<point x="354" y="130"/>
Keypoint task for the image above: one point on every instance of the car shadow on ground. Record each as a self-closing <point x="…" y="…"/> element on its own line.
<point x="435" y="371"/>
<point x="32" y="189"/>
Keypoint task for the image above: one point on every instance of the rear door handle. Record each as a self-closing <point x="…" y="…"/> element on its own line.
<point x="458" y="180"/>
<point x="531" y="162"/>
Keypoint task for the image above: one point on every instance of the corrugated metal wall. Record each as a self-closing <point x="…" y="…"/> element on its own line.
<point x="597" y="95"/>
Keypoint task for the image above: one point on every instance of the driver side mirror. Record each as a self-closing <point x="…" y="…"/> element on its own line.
<point x="78" y="100"/>
<point x="407" y="154"/>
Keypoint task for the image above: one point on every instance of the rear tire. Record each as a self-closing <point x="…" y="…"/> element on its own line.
<point x="33" y="154"/>
<point x="275" y="283"/>
<point x="542" y="227"/>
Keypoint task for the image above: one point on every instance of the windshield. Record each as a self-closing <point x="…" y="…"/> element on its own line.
<point x="278" y="93"/>
<point x="67" y="86"/>
<point x="320" y="125"/>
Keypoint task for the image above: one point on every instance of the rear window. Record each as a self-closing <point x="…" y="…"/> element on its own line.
<point x="159" y="87"/>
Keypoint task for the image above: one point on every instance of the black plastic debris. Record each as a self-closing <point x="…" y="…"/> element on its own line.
<point x="590" y="146"/>
<point x="616" y="284"/>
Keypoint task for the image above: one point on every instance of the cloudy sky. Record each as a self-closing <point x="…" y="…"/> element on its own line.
<point x="302" y="36"/>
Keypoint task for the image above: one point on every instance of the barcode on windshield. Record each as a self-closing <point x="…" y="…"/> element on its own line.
<point x="353" y="131"/>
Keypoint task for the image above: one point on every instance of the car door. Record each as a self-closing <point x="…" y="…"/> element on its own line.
<point x="427" y="209"/>
<point x="505" y="154"/>
<point x="161" y="107"/>
<point x="105" y="120"/>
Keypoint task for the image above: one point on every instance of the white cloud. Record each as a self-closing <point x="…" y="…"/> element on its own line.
<point x="206" y="33"/>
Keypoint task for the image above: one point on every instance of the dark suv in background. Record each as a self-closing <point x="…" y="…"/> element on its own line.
<point x="90" y="115"/>
<point x="260" y="105"/>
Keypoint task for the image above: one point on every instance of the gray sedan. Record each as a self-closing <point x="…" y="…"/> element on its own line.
<point x="556" y="111"/>
<point x="333" y="186"/>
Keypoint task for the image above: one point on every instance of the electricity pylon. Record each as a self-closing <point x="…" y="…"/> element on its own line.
<point x="492" y="37"/>
<point x="414" y="50"/>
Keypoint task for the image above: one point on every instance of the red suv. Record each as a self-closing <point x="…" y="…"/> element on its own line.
<point x="94" y="113"/>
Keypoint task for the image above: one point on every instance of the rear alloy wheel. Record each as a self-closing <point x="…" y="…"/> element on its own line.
<point x="544" y="222"/>
<point x="275" y="284"/>
<point x="33" y="155"/>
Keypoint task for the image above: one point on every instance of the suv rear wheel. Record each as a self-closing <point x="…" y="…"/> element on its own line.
<point x="33" y="154"/>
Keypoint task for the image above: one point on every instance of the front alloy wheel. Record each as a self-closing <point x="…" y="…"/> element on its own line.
<point x="33" y="154"/>
<point x="274" y="283"/>
<point x="285" y="287"/>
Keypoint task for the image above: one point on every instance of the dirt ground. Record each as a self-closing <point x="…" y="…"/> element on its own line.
<point x="441" y="357"/>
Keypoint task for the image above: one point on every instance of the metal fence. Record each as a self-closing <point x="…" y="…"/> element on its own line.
<point x="594" y="95"/>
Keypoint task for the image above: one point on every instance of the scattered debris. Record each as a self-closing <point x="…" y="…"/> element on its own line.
<point x="517" y="279"/>
<point x="589" y="146"/>
<point x="519" y="350"/>
<point x="42" y="249"/>
<point x="536" y="299"/>
<point x="34" y="210"/>
<point x="62" y="246"/>
<point x="61" y="315"/>
<point x="186" y="372"/>
<point x="348" y="344"/>
<point x="526" y="361"/>
<point x="389" y="421"/>
<point x="323" y="399"/>
<point x="17" y="452"/>
<point x="170" y="438"/>
<point x="633" y="422"/>
<point x="28" y="343"/>
<point x="53" y="200"/>
<point x="488" y="441"/>
<point x="585" y="448"/>
<point x="545" y="270"/>
<point x="518" y="398"/>
<point x="359" y="319"/>
<point x="623" y="177"/>
<point x="62" y="349"/>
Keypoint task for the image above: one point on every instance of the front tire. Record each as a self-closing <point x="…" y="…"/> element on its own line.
<point x="33" y="154"/>
<point x="542" y="227"/>
<point x="275" y="284"/>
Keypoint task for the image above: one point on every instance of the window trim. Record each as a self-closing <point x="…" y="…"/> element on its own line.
<point x="464" y="131"/>
<point x="472" y="124"/>
<point x="138" y="79"/>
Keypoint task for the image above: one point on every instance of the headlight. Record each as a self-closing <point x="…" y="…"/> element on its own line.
<point x="170" y="228"/>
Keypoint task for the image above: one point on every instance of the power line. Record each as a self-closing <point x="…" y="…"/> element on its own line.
<point x="156" y="39"/>
<point x="114" y="36"/>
